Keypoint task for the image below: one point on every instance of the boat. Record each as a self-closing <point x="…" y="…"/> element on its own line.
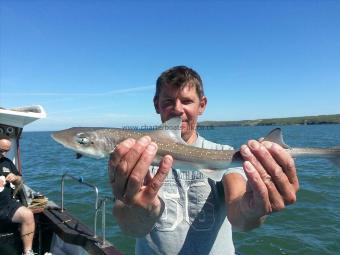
<point x="58" y="232"/>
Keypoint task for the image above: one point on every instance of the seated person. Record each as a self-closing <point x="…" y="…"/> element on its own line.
<point x="10" y="209"/>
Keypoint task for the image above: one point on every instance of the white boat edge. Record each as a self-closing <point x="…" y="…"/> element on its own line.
<point x="21" y="116"/>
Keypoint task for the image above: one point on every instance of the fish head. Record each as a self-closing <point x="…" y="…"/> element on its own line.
<point x="83" y="141"/>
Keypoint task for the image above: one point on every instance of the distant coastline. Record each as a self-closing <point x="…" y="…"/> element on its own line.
<point x="305" y="120"/>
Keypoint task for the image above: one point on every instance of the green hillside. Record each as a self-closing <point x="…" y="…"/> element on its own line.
<point x="305" y="120"/>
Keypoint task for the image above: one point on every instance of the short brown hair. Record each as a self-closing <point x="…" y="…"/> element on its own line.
<point x="179" y="76"/>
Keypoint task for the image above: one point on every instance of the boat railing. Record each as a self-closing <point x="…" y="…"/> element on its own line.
<point x="102" y="207"/>
<point x="81" y="181"/>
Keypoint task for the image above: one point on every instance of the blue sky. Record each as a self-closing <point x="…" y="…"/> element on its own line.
<point x="94" y="63"/>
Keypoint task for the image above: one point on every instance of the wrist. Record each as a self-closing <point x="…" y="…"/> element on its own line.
<point x="153" y="209"/>
<point x="17" y="179"/>
<point x="156" y="209"/>
<point x="138" y="219"/>
<point x="150" y="210"/>
<point x="250" y="219"/>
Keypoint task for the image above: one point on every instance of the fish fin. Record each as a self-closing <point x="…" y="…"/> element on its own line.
<point x="215" y="175"/>
<point x="275" y="136"/>
<point x="170" y="130"/>
<point x="78" y="155"/>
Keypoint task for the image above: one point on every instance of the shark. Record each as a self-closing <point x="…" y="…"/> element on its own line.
<point x="101" y="142"/>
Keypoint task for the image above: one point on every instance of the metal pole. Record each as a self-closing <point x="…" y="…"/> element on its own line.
<point x="62" y="191"/>
<point x="103" y="221"/>
<point x="81" y="181"/>
<point x="96" y="212"/>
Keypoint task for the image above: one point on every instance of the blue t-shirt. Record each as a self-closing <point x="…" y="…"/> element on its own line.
<point x="194" y="219"/>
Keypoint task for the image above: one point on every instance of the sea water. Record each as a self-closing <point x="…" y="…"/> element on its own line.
<point x="310" y="226"/>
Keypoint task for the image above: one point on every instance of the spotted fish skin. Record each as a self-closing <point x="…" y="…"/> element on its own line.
<point x="101" y="142"/>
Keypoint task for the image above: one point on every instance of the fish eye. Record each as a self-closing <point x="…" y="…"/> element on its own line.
<point x="82" y="139"/>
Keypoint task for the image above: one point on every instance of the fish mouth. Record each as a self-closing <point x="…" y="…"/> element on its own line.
<point x="56" y="137"/>
<point x="59" y="137"/>
<point x="63" y="136"/>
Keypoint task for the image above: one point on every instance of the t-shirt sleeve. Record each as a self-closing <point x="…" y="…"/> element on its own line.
<point x="237" y="170"/>
<point x="13" y="168"/>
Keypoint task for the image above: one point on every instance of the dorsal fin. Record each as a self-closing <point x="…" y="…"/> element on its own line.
<point x="78" y="155"/>
<point x="275" y="136"/>
<point x="170" y="130"/>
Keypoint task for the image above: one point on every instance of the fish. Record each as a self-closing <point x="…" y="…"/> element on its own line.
<point x="101" y="142"/>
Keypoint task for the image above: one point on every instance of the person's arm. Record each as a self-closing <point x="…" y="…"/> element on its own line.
<point x="15" y="179"/>
<point x="272" y="184"/>
<point x="14" y="176"/>
<point x="137" y="206"/>
<point x="135" y="220"/>
<point x="235" y="190"/>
